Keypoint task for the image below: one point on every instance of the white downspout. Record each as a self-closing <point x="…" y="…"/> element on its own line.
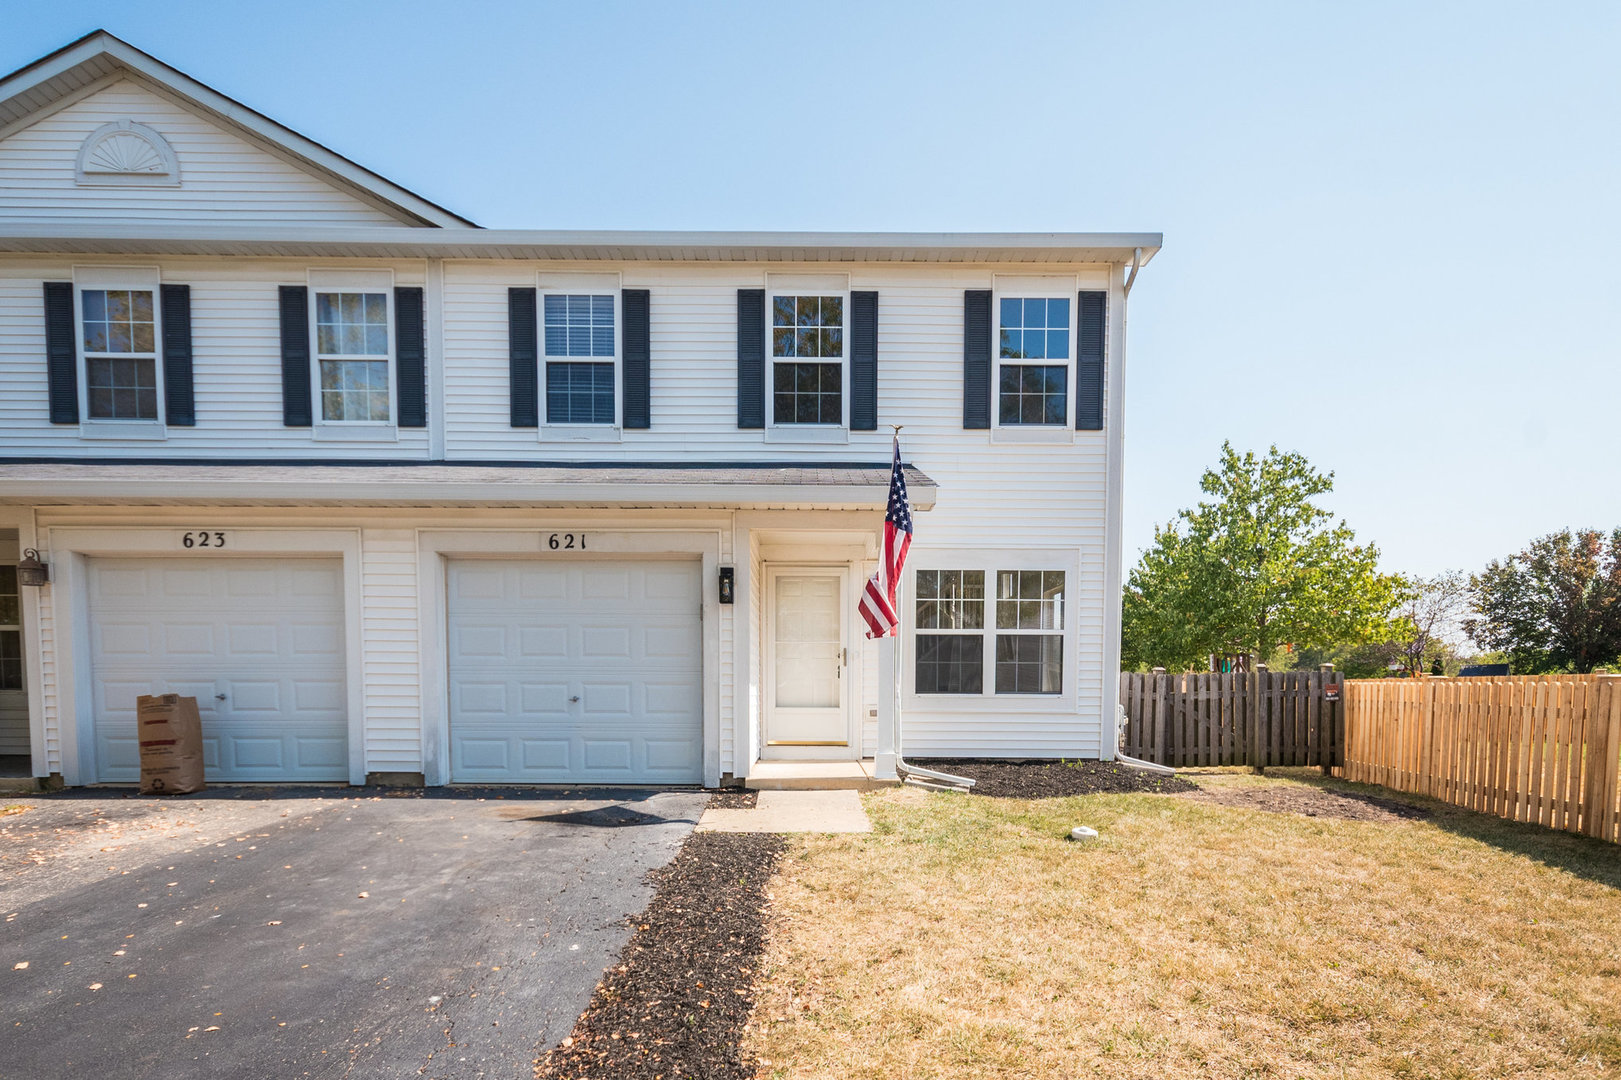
<point x="1112" y="543"/>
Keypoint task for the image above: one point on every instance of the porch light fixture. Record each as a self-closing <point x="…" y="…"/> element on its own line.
<point x="30" y="571"/>
<point x="726" y="584"/>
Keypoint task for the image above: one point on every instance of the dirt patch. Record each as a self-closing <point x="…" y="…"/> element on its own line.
<point x="734" y="799"/>
<point x="676" y="1003"/>
<point x="1056" y="779"/>
<point x="1310" y="801"/>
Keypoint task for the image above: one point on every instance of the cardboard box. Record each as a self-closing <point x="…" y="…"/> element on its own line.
<point x="171" y="736"/>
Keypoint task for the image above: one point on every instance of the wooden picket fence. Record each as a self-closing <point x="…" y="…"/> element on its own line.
<point x="1255" y="718"/>
<point x="1545" y="749"/>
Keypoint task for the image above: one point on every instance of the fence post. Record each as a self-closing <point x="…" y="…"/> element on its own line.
<point x="1258" y="741"/>
<point x="1159" y="716"/>
<point x="1325" y="722"/>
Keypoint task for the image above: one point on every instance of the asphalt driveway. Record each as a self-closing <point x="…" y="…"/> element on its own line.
<point x="310" y="933"/>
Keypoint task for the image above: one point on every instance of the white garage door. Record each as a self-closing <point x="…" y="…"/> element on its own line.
<point x="258" y="643"/>
<point x="562" y="672"/>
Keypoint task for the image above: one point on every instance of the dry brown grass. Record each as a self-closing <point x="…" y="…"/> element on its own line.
<point x="966" y="938"/>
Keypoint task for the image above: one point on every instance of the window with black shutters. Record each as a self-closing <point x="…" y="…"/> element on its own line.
<point x="581" y="346"/>
<point x="1033" y="357"/>
<point x="807" y="359"/>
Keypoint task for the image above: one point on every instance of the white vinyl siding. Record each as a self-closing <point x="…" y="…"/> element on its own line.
<point x="223" y="175"/>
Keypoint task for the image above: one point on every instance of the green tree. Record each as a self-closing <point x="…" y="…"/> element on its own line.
<point x="1256" y="565"/>
<point x="1556" y="606"/>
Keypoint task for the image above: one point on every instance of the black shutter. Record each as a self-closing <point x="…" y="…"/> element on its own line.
<point x="1091" y="314"/>
<point x="410" y="358"/>
<point x="523" y="357"/>
<point x="61" y="353"/>
<point x="179" y="399"/>
<point x="751" y="358"/>
<point x="295" y="356"/>
<point x="863" y="361"/>
<point x="976" y="358"/>
<point x="637" y="363"/>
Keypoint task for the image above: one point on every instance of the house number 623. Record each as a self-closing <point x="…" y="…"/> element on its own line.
<point x="202" y="540"/>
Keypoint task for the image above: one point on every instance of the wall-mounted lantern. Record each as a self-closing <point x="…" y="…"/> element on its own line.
<point x="30" y="571"/>
<point x="726" y="584"/>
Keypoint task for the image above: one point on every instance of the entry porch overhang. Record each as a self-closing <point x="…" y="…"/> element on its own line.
<point x="723" y="485"/>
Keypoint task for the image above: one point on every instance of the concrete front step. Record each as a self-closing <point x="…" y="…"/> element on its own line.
<point x="815" y="776"/>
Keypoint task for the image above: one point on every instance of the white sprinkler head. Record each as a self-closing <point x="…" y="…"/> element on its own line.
<point x="1083" y="832"/>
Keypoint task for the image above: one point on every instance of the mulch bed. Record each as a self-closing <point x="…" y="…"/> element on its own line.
<point x="676" y="1003"/>
<point x="1056" y="779"/>
<point x="734" y="799"/>
<point x="1310" y="801"/>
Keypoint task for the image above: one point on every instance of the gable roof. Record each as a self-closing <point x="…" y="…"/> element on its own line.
<point x="80" y="68"/>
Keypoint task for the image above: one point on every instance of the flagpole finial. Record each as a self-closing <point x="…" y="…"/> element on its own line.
<point x="897" y="428"/>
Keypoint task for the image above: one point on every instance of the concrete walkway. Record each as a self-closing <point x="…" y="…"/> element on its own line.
<point x="793" y="812"/>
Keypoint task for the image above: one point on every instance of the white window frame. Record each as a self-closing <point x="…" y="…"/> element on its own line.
<point x="352" y="281"/>
<point x="583" y="285"/>
<point x="97" y="278"/>
<point x="1032" y="288"/>
<point x="992" y="562"/>
<point x="808" y="432"/>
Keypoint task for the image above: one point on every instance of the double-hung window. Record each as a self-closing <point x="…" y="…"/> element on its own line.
<point x="352" y="356"/>
<point x="11" y="630"/>
<point x="582" y="349"/>
<point x="119" y="336"/>
<point x="807" y="359"/>
<point x="983" y="631"/>
<point x="1033" y="350"/>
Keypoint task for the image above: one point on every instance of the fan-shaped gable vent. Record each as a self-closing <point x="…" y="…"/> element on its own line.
<point x="125" y="152"/>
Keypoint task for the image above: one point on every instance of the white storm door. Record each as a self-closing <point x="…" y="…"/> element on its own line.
<point x="258" y="642"/>
<point x="807" y="690"/>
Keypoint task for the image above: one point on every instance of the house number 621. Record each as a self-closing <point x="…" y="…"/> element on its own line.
<point x="566" y="541"/>
<point x="202" y="540"/>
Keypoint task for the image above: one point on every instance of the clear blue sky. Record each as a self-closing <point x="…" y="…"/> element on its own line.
<point x="1392" y="231"/>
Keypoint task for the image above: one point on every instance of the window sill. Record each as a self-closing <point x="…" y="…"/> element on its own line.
<point x="1032" y="433"/>
<point x="372" y="433"/>
<point x="807" y="433"/>
<point x="969" y="704"/>
<point x="145" y="430"/>
<point x="595" y="433"/>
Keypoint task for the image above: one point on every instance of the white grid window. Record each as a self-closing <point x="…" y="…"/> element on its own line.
<point x="581" y="350"/>
<point x="120" y="354"/>
<point x="352" y="353"/>
<point x="807" y="359"/>
<point x="1029" y="631"/>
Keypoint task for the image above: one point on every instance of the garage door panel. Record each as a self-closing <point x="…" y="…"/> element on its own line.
<point x="264" y="633"/>
<point x="578" y="645"/>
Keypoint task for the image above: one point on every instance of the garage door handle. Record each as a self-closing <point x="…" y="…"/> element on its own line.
<point x="219" y="697"/>
<point x="574" y="699"/>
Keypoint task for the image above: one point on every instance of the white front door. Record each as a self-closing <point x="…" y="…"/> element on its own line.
<point x="808" y="682"/>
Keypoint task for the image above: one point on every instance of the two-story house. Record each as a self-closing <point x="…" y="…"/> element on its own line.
<point x="395" y="496"/>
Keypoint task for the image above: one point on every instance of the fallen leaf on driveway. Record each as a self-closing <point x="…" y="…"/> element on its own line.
<point x="364" y="895"/>
<point x="273" y="922"/>
<point x="95" y="986"/>
<point x="19" y="966"/>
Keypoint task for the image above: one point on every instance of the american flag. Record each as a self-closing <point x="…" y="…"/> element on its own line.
<point x="877" y="604"/>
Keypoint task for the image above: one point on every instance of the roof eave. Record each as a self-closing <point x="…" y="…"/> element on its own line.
<point x="581" y="245"/>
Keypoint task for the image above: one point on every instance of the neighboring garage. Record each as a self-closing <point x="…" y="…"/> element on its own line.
<point x="258" y="642"/>
<point x="575" y="671"/>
